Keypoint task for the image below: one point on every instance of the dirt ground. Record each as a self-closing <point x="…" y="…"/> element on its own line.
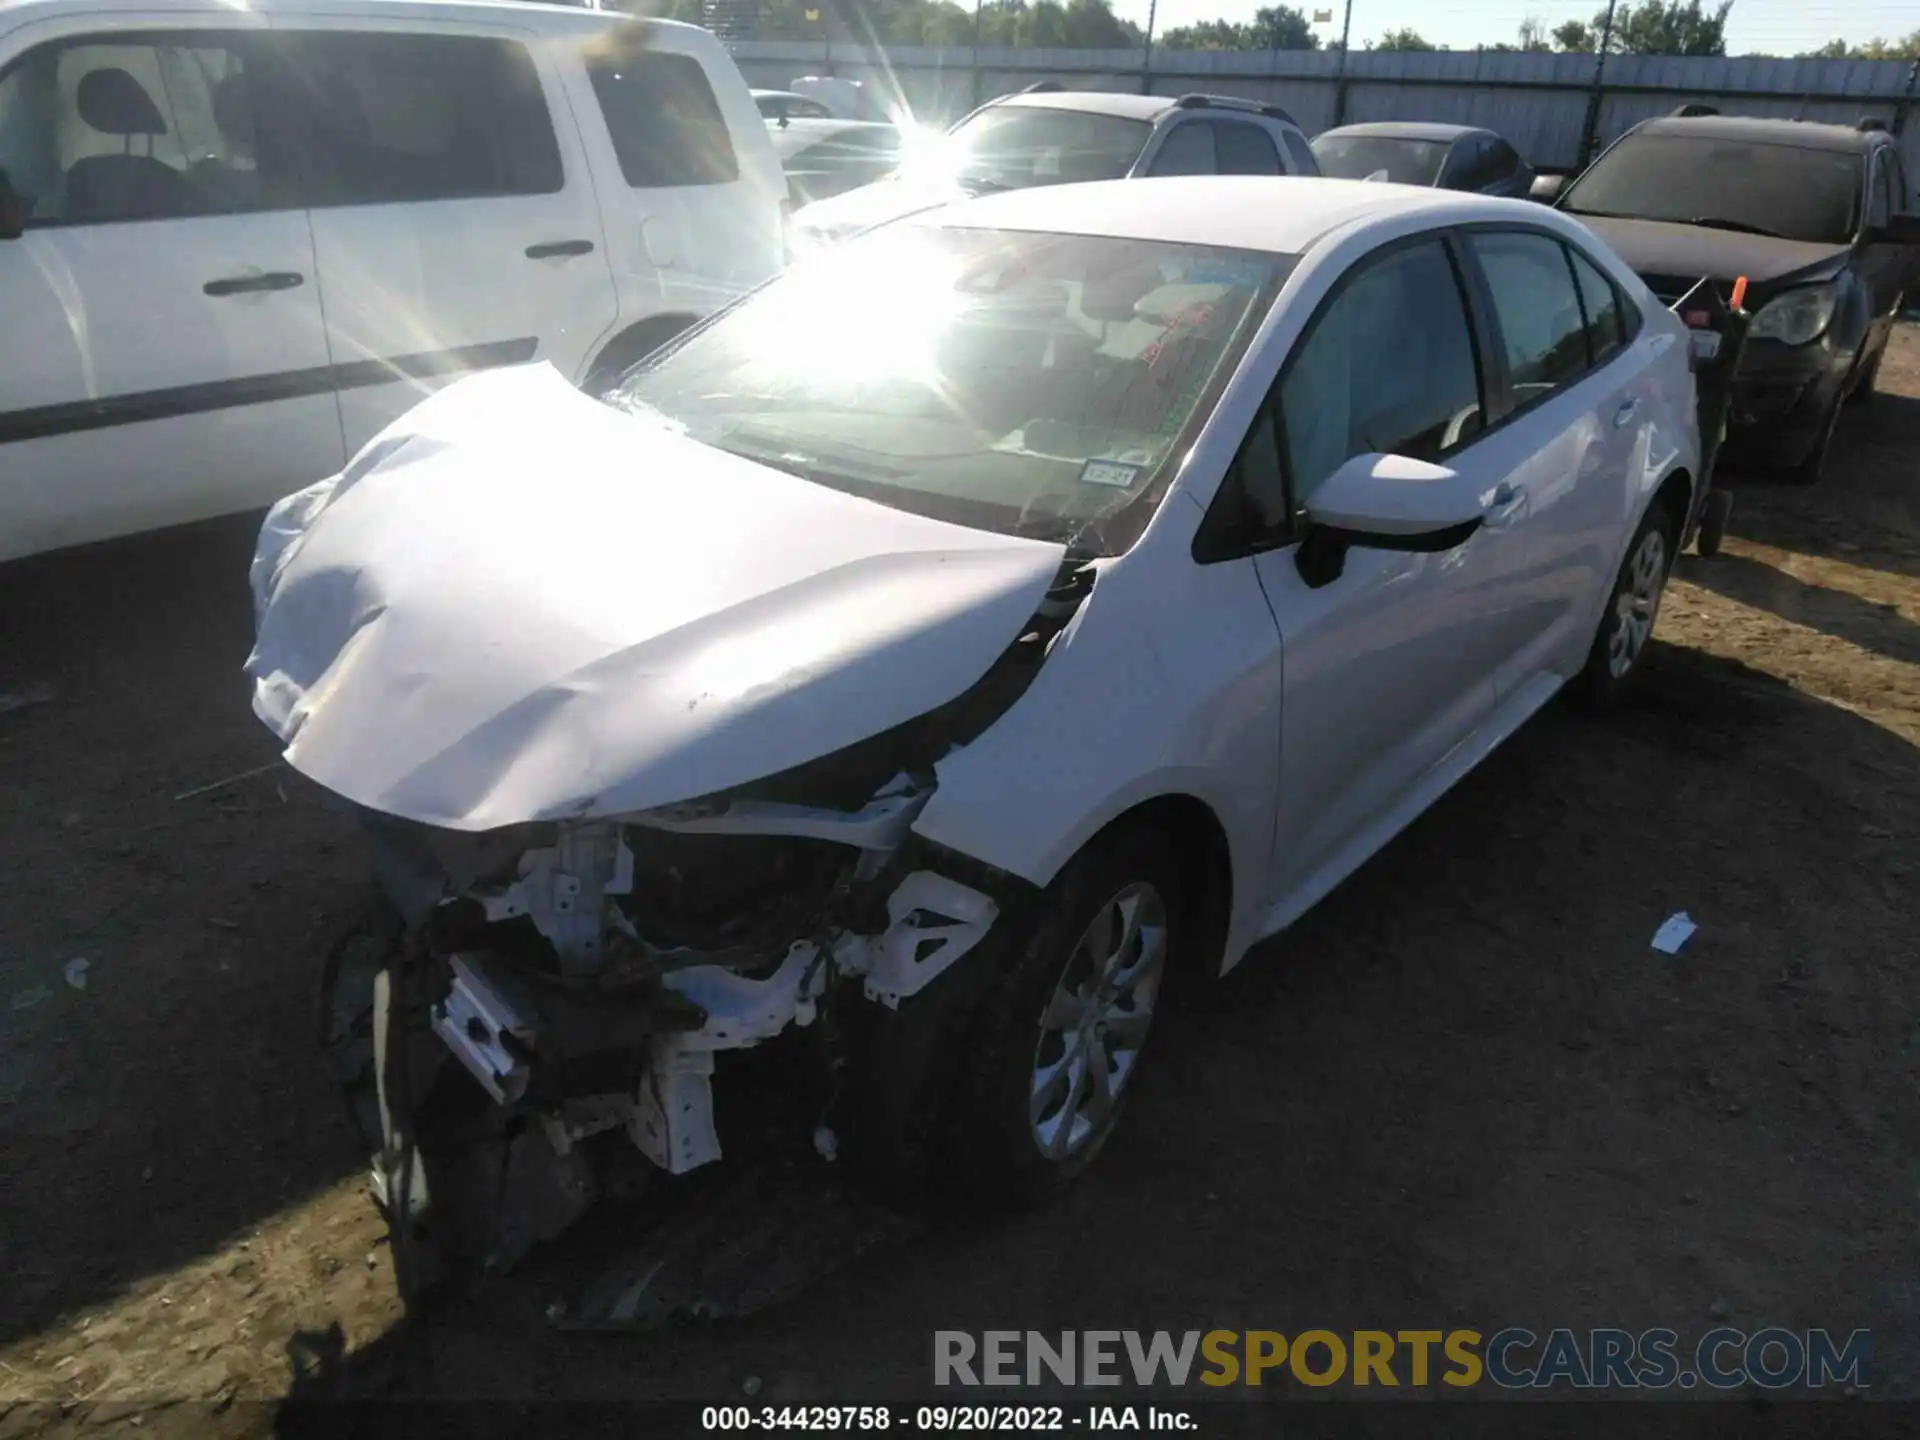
<point x="1463" y="1090"/>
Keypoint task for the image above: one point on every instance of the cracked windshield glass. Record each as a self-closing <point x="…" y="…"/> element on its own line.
<point x="1032" y="384"/>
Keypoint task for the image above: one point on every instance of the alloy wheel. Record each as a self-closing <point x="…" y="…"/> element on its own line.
<point x="1636" y="604"/>
<point x="1096" y="1021"/>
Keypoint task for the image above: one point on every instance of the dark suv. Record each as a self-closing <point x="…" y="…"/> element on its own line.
<point x="1817" y="217"/>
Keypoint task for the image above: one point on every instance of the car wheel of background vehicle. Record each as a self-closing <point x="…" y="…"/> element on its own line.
<point x="1056" y="1043"/>
<point x="1626" y="629"/>
<point x="1713" y="522"/>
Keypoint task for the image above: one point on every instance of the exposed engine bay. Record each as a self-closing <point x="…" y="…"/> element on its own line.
<point x="542" y="1004"/>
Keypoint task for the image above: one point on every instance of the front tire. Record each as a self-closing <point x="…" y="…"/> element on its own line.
<point x="1057" y="1041"/>
<point x="1615" y="661"/>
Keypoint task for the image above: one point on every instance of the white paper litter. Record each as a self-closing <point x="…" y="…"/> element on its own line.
<point x="1673" y="933"/>
<point x="75" y="972"/>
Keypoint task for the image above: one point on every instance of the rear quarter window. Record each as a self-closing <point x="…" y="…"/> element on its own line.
<point x="664" y="120"/>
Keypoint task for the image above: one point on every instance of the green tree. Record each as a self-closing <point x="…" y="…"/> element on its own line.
<point x="1874" y="49"/>
<point x="1574" y="38"/>
<point x="1653" y="27"/>
<point x="1273" y="27"/>
<point x="1405" y="38"/>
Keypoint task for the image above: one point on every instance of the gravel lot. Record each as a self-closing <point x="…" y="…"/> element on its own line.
<point x="1463" y="1091"/>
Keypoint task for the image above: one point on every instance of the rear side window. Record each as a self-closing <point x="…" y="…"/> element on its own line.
<point x="1542" y="326"/>
<point x="1187" y="150"/>
<point x="666" y="125"/>
<point x="1606" y="310"/>
<point x="395" y="118"/>
<point x="1244" y="149"/>
<point x="1388" y="368"/>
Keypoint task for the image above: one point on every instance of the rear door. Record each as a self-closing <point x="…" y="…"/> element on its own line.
<point x="162" y="354"/>
<point x="1570" y="426"/>
<point x="454" y="222"/>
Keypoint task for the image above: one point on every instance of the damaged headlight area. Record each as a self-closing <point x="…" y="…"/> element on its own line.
<point x="586" y="984"/>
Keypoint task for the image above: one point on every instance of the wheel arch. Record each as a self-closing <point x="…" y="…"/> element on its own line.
<point x="1204" y="855"/>
<point x="631" y="345"/>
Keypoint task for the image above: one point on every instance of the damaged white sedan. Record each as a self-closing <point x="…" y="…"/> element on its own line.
<point x="926" y="657"/>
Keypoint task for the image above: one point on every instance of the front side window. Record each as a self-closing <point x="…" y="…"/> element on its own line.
<point x="1542" y="326"/>
<point x="131" y="127"/>
<point x="395" y="118"/>
<point x="1388" y="368"/>
<point x="1011" y="147"/>
<point x="666" y="125"/>
<point x="1028" y="383"/>
<point x="1380" y="157"/>
<point x="1788" y="191"/>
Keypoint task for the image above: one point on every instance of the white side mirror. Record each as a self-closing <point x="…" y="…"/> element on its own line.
<point x="1546" y="188"/>
<point x="1386" y="502"/>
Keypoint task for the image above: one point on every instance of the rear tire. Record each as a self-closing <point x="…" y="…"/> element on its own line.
<point x="1057" y="1039"/>
<point x="1615" y="662"/>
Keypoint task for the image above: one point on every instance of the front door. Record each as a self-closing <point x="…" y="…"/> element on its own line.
<point x="1390" y="667"/>
<point x="453" y="221"/>
<point x="164" y="357"/>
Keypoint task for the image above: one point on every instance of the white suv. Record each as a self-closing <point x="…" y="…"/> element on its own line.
<point x="235" y="242"/>
<point x="1046" y="135"/>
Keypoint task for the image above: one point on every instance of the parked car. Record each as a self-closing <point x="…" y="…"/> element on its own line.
<point x="463" y="185"/>
<point x="1452" y="157"/>
<point x="1049" y="136"/>
<point x="1818" y="218"/>
<point x="783" y="105"/>
<point x="829" y="157"/>
<point x="977" y="625"/>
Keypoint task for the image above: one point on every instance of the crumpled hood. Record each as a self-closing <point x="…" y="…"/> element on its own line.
<point x="876" y="204"/>
<point x="1655" y="247"/>
<point x="518" y="604"/>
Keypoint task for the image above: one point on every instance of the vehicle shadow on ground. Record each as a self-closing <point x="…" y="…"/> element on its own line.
<point x="165" y="1096"/>
<point x="1463" y="1087"/>
<point x="1855" y="516"/>
<point x="1871" y="626"/>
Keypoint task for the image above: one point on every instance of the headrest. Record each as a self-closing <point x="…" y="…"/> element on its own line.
<point x="112" y="102"/>
<point x="233" y="108"/>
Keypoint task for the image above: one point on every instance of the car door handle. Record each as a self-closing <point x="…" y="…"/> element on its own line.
<point x="554" y="249"/>
<point x="253" y="284"/>
<point x="1625" y="413"/>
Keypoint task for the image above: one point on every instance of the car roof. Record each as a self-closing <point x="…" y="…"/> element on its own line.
<point x="1806" y="134"/>
<point x="1093" y="102"/>
<point x="1247" y="212"/>
<point x="1408" y="130"/>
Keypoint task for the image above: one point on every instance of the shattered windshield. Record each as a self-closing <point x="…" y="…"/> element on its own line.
<point x="1791" y="192"/>
<point x="1028" y="383"/>
<point x="1013" y="147"/>
<point x="1361" y="157"/>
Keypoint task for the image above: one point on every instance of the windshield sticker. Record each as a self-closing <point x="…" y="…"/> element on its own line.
<point x="1108" y="472"/>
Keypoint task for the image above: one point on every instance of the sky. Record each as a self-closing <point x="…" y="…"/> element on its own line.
<point x="1775" y="27"/>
